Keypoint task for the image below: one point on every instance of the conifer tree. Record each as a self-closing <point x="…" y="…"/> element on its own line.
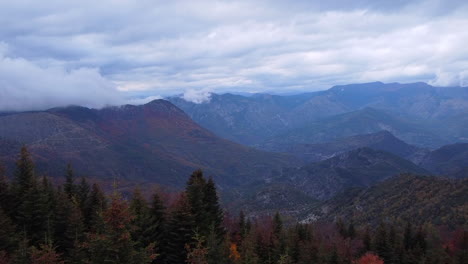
<point x="195" y="194"/>
<point x="197" y="253"/>
<point x="31" y="216"/>
<point x="114" y="244"/>
<point x="63" y="210"/>
<point x="82" y="195"/>
<point x="382" y="247"/>
<point x="45" y="254"/>
<point x="242" y="225"/>
<point x="95" y="206"/>
<point x="214" y="213"/>
<point x="69" y="185"/>
<point x="155" y="230"/>
<point x="180" y="231"/>
<point x="8" y="239"/>
<point x="140" y="212"/>
<point x="24" y="175"/>
<point x="6" y="199"/>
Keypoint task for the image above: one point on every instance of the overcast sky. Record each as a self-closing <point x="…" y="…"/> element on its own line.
<point x="101" y="52"/>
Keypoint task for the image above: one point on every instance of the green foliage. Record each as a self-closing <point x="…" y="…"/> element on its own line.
<point x="51" y="226"/>
<point x="181" y="228"/>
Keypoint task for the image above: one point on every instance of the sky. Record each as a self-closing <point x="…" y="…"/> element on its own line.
<point x="98" y="53"/>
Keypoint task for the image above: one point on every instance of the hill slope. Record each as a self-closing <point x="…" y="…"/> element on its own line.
<point x="364" y="121"/>
<point x="418" y="199"/>
<point x="382" y="140"/>
<point x="450" y="160"/>
<point x="361" y="167"/>
<point x="155" y="142"/>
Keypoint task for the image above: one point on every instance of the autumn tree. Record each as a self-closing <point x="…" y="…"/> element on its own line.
<point x="369" y="258"/>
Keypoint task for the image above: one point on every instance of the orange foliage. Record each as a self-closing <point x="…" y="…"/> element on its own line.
<point x="369" y="258"/>
<point x="234" y="253"/>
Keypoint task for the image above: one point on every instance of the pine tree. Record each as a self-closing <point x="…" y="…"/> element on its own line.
<point x="95" y="206"/>
<point x="242" y="225"/>
<point x="180" y="231"/>
<point x="31" y="216"/>
<point x="155" y="230"/>
<point x="214" y="213"/>
<point x="195" y="194"/>
<point x="114" y="244"/>
<point x="82" y="193"/>
<point x="23" y="254"/>
<point x="24" y="175"/>
<point x="140" y="212"/>
<point x="6" y="199"/>
<point x="62" y="212"/>
<point x="197" y="253"/>
<point x="45" y="254"/>
<point x="382" y="247"/>
<point x="8" y="238"/>
<point x="69" y="186"/>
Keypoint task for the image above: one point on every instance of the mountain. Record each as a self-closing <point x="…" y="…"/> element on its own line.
<point x="267" y="199"/>
<point x="382" y="140"/>
<point x="363" y="121"/>
<point x="450" y="160"/>
<point x="245" y="119"/>
<point x="418" y="199"/>
<point x="155" y="142"/>
<point x="437" y="112"/>
<point x="360" y="167"/>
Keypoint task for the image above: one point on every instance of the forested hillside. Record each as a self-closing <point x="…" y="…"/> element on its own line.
<point x="77" y="222"/>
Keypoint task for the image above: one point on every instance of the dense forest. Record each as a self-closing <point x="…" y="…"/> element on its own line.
<point x="77" y="222"/>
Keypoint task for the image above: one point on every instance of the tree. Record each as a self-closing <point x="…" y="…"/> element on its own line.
<point x="95" y="206"/>
<point x="197" y="254"/>
<point x="369" y="258"/>
<point x="140" y="212"/>
<point x="69" y="186"/>
<point x="45" y="254"/>
<point x="32" y="218"/>
<point x="8" y="238"/>
<point x="382" y="247"/>
<point x="214" y="213"/>
<point x="82" y="193"/>
<point x="195" y="191"/>
<point x="115" y="244"/>
<point x="180" y="231"/>
<point x="6" y="200"/>
<point x="24" y="175"/>
<point x="155" y="229"/>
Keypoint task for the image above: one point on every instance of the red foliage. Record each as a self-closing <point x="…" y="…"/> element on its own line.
<point x="118" y="216"/>
<point x="369" y="258"/>
<point x="45" y="255"/>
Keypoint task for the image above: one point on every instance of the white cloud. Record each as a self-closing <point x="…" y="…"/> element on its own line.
<point x="27" y="86"/>
<point x="168" y="47"/>
<point x="144" y="100"/>
<point x="197" y="96"/>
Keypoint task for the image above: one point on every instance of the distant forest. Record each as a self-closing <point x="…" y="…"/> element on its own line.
<point x="77" y="222"/>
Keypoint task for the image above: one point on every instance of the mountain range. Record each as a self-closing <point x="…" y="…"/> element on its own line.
<point x="266" y="152"/>
<point x="418" y="113"/>
<point x="155" y="142"/>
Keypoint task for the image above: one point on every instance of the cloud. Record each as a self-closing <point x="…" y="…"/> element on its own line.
<point x="197" y="96"/>
<point x="144" y="100"/>
<point x="172" y="47"/>
<point x="27" y="86"/>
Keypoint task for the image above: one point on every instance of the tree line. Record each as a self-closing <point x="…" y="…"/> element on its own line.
<point x="77" y="222"/>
